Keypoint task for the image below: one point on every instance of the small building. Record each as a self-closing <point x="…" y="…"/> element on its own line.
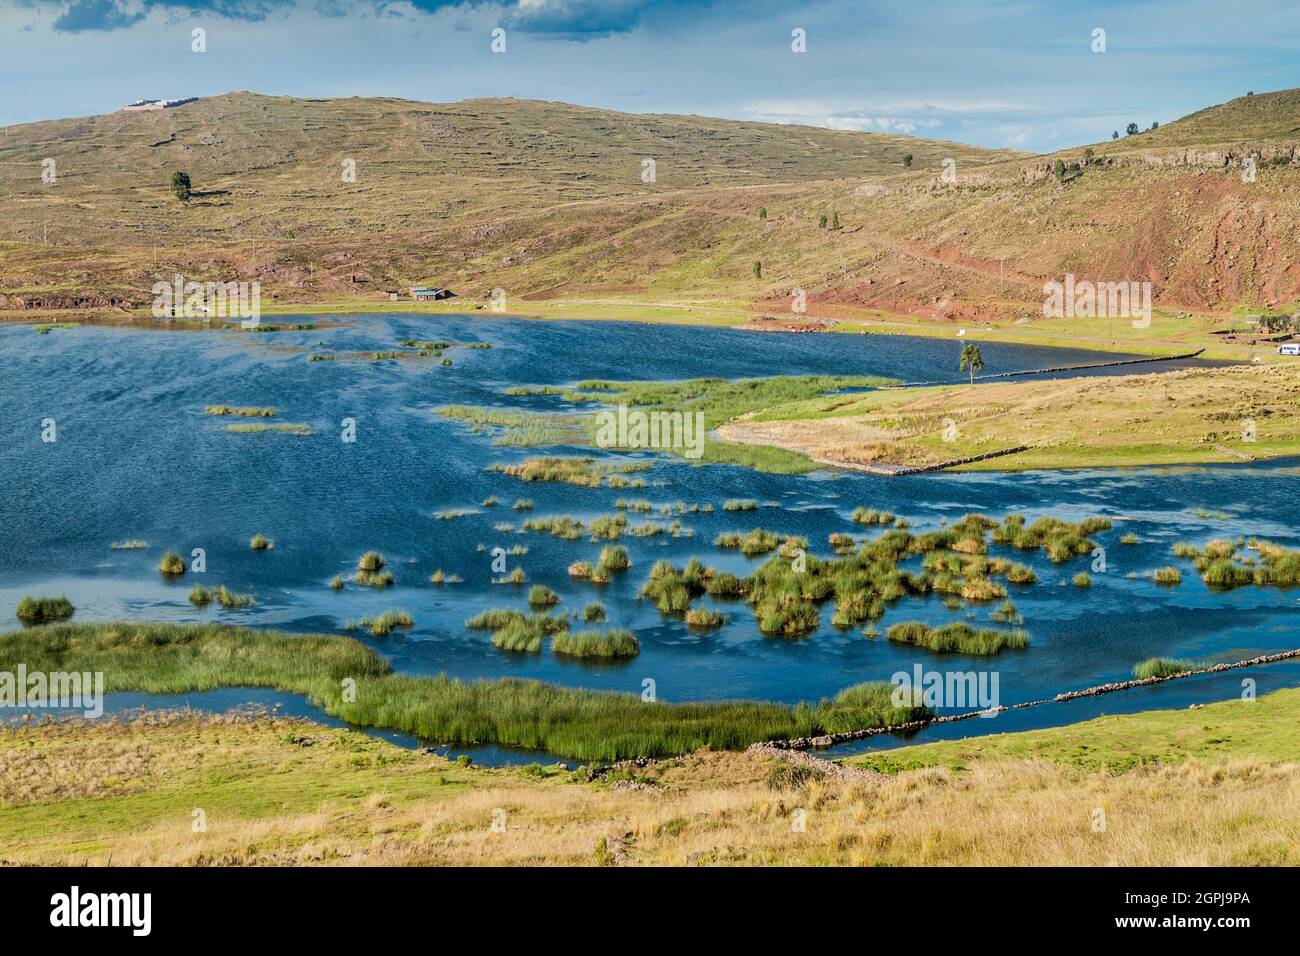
<point x="425" y="294"/>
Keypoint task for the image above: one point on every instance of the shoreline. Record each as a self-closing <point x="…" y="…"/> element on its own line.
<point x="1185" y="334"/>
<point x="716" y="723"/>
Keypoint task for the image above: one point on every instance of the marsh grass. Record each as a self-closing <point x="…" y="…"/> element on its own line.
<point x="672" y="588"/>
<point x="865" y="578"/>
<point x="539" y="595"/>
<point x="614" y="558"/>
<point x="242" y="411"/>
<point x="1223" y="566"/>
<point x="518" y="637"/>
<point x="516" y="632"/>
<point x="517" y="427"/>
<point x="870" y="516"/>
<point x="200" y="596"/>
<point x="617" y="643"/>
<point x="1162" y="667"/>
<point x="582" y="472"/>
<point x="516" y="576"/>
<point x="720" y="400"/>
<point x="297" y="429"/>
<point x="384" y="624"/>
<point x="705" y="619"/>
<point x="956" y="638"/>
<point x="608" y="527"/>
<point x="1061" y="540"/>
<point x="1007" y="613"/>
<point x="583" y="724"/>
<point x="40" y="610"/>
<point x="133" y="544"/>
<point x="372" y="570"/>
<point x="260" y="542"/>
<point x="558" y="526"/>
<point x="171" y="564"/>
<point x="230" y="600"/>
<point x="758" y="541"/>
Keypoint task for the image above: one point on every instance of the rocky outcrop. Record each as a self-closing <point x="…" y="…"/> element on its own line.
<point x="38" y="300"/>
<point x="834" y="771"/>
<point x="805" y="743"/>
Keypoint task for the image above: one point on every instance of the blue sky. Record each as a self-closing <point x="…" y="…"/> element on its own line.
<point x="1014" y="73"/>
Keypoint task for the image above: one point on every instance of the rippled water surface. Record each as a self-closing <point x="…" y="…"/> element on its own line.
<point x="136" y="457"/>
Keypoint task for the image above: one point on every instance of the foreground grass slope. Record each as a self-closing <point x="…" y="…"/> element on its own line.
<point x="1213" y="786"/>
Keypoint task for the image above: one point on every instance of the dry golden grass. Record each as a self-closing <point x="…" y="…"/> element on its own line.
<point x="279" y="792"/>
<point x="1157" y="418"/>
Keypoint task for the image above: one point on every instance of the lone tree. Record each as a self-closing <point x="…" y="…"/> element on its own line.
<point x="907" y="160"/>
<point x="181" y="185"/>
<point x="758" y="269"/>
<point x="1131" y="129"/>
<point x="972" y="360"/>
<point x="835" y="221"/>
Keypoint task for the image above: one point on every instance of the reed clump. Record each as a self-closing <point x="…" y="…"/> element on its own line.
<point x="372" y="570"/>
<point x="242" y="411"/>
<point x="383" y="624"/>
<point x="705" y="619"/>
<point x="40" y="610"/>
<point x="956" y="638"/>
<point x="615" y="644"/>
<point x="1162" y="667"/>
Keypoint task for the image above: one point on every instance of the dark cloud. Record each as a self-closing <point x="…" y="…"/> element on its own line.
<point x="576" y="19"/>
<point x="559" y="19"/>
<point x="104" y="15"/>
<point x="95" y="15"/>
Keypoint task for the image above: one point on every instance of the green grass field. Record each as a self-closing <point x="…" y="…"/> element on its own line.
<point x="1263" y="729"/>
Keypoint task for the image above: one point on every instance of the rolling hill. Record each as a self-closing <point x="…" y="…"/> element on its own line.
<point x="547" y="200"/>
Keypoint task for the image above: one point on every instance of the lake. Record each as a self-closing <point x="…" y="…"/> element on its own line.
<point x="136" y="457"/>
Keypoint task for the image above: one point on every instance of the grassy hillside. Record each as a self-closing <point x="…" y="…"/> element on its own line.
<point x="546" y="201"/>
<point x="272" y="167"/>
<point x="1212" y="786"/>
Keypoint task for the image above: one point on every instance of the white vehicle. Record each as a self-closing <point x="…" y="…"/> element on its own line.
<point x="1290" y="348"/>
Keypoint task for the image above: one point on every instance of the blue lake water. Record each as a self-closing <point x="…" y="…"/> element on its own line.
<point x="137" y="457"/>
